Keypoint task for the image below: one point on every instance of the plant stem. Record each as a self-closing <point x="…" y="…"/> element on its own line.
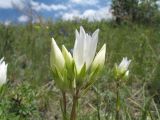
<point x="117" y="101"/>
<point x="64" y="105"/>
<point x="74" y="106"/>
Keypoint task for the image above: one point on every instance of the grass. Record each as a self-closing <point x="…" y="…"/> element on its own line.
<point x="26" y="49"/>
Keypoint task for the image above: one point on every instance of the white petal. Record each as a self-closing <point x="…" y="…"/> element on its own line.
<point x="1" y="60"/>
<point x="85" y="48"/>
<point x="87" y="51"/>
<point x="78" y="49"/>
<point x="127" y="73"/>
<point x="57" y="58"/>
<point x="3" y="72"/>
<point x="67" y="56"/>
<point x="99" y="59"/>
<point x="124" y="64"/>
<point x="82" y="31"/>
<point x="92" y="47"/>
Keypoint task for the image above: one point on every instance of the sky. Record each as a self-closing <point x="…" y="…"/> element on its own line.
<point x="17" y="10"/>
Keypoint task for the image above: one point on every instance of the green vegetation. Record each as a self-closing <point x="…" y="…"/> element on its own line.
<point x="30" y="93"/>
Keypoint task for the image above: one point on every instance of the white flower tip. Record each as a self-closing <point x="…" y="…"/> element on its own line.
<point x="56" y="57"/>
<point x="2" y="62"/>
<point x="95" y="34"/>
<point x="103" y="48"/>
<point x="82" y="31"/>
<point x="123" y="66"/>
<point x="77" y="33"/>
<point x="104" y="45"/>
<point x="99" y="59"/>
<point x="127" y="73"/>
<point x="81" y="28"/>
<point x="1" y="59"/>
<point x="53" y="40"/>
<point x="3" y="72"/>
<point x="67" y="55"/>
<point x="97" y="31"/>
<point x="128" y="61"/>
<point x="63" y="47"/>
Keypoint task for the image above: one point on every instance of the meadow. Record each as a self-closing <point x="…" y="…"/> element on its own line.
<point x="31" y="94"/>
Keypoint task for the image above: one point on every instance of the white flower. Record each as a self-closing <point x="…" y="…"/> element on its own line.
<point x="70" y="68"/>
<point x="3" y="72"/>
<point x="84" y="48"/>
<point x="123" y="66"/>
<point x="121" y="71"/>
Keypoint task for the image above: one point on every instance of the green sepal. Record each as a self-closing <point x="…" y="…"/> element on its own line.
<point x="61" y="79"/>
<point x="81" y="76"/>
<point x="90" y="81"/>
<point x="119" y="74"/>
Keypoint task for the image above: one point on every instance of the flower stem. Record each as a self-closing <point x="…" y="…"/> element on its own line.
<point x="117" y="101"/>
<point x="63" y="102"/>
<point x="74" y="106"/>
<point x="64" y="105"/>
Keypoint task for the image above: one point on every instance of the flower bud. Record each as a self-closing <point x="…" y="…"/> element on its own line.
<point x="121" y="71"/>
<point x="99" y="59"/>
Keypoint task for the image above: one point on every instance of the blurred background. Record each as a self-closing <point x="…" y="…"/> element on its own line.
<point x="23" y="11"/>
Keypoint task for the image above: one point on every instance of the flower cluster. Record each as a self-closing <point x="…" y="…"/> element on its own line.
<point x="71" y="71"/>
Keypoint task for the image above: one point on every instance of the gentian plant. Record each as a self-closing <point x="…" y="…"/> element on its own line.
<point x="121" y="73"/>
<point x="76" y="73"/>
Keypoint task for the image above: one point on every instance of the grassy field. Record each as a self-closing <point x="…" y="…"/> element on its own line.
<point x="31" y="94"/>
